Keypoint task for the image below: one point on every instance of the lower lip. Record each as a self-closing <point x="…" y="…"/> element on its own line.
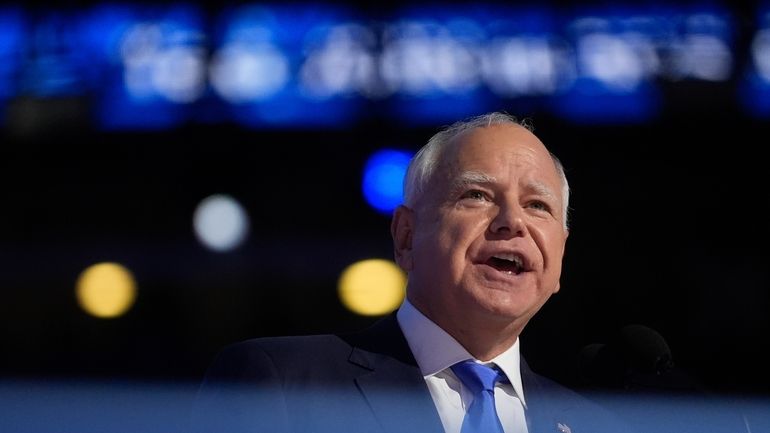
<point x="498" y="273"/>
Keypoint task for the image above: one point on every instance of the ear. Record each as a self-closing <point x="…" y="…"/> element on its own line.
<point x="401" y="227"/>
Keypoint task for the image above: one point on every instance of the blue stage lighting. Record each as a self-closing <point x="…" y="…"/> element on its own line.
<point x="622" y="52"/>
<point x="284" y="65"/>
<point x="152" y="62"/>
<point x="755" y="87"/>
<point x="316" y="65"/>
<point x="383" y="179"/>
<point x="12" y="33"/>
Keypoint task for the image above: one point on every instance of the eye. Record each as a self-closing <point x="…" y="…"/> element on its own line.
<point x="475" y="194"/>
<point x="539" y="205"/>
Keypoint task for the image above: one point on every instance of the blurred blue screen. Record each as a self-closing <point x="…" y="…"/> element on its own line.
<point x="145" y="66"/>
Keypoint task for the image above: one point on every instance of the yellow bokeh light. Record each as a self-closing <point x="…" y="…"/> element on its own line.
<point x="372" y="287"/>
<point x="106" y="290"/>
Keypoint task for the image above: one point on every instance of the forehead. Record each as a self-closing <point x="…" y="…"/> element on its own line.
<point x="499" y="149"/>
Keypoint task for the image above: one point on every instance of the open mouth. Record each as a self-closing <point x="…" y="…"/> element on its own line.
<point x="512" y="264"/>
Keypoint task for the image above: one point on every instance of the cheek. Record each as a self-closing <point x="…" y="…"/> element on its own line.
<point x="554" y="255"/>
<point x="465" y="230"/>
<point x="452" y="236"/>
<point x="556" y="249"/>
<point x="456" y="242"/>
<point x="550" y="241"/>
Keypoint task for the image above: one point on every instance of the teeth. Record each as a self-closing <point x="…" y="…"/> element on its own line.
<point x="515" y="258"/>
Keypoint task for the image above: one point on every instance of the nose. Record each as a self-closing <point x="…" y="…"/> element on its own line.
<point x="509" y="222"/>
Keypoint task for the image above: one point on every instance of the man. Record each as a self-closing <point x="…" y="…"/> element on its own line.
<point x="481" y="236"/>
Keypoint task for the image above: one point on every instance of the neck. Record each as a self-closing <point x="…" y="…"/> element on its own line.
<point x="483" y="338"/>
<point x="485" y="344"/>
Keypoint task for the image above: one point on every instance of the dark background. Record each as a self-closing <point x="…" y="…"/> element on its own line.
<point x="669" y="229"/>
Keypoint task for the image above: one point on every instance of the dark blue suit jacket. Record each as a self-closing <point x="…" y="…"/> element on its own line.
<point x="361" y="382"/>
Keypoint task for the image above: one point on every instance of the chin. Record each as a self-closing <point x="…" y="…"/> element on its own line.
<point x="509" y="307"/>
<point x="501" y="311"/>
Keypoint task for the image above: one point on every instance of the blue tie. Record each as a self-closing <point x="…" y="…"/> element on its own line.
<point x="481" y="416"/>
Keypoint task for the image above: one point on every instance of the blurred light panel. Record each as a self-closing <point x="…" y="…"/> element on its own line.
<point x="241" y="73"/>
<point x="755" y="86"/>
<point x="106" y="290"/>
<point x="622" y="52"/>
<point x="706" y="46"/>
<point x="341" y="61"/>
<point x="372" y="287"/>
<point x="430" y="62"/>
<point x="220" y="223"/>
<point x="760" y="54"/>
<point x="279" y="65"/>
<point x="613" y="60"/>
<point x="154" y="63"/>
<point x="525" y="65"/>
<point x="384" y="178"/>
<point x="54" y="64"/>
<point x="262" y="65"/>
<point x="12" y="40"/>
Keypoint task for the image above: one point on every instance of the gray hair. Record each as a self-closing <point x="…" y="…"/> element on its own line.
<point x="423" y="165"/>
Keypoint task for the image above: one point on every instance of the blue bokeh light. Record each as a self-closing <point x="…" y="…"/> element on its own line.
<point x="754" y="89"/>
<point x="260" y="54"/>
<point x="152" y="64"/>
<point x="12" y="35"/>
<point x="280" y="65"/>
<point x="383" y="179"/>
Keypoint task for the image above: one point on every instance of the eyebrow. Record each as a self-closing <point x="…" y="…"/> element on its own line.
<point x="477" y="177"/>
<point x="471" y="177"/>
<point x="540" y="188"/>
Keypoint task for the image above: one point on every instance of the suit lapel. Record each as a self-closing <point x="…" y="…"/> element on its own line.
<point x="391" y="382"/>
<point x="399" y="399"/>
<point x="548" y="410"/>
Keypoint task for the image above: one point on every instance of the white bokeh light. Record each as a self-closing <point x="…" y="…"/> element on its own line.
<point x="179" y="74"/>
<point x="243" y="73"/>
<point x="342" y="63"/>
<point x="760" y="53"/>
<point x="610" y="59"/>
<point x="220" y="223"/>
<point x="521" y="66"/>
<point x="159" y="63"/>
<point x="419" y="58"/>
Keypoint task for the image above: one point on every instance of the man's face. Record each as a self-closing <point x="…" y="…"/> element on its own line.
<point x="487" y="235"/>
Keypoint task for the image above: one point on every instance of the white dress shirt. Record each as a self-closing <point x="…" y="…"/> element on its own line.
<point x="436" y="351"/>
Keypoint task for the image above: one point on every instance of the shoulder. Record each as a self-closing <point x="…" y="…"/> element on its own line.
<point x="555" y="407"/>
<point x="275" y="356"/>
<point x="284" y="346"/>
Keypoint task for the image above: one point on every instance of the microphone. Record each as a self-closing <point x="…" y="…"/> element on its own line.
<point x="636" y="357"/>
<point x="637" y="361"/>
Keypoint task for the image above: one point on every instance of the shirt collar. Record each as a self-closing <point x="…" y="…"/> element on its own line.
<point x="435" y="350"/>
